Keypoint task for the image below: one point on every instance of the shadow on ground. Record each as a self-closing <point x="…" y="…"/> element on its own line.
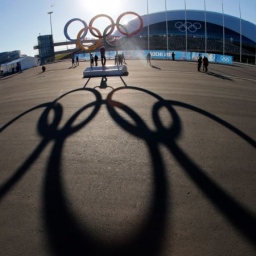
<point x="65" y="234"/>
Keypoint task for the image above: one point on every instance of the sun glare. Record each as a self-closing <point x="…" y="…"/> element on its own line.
<point x="111" y="8"/>
<point x="108" y="7"/>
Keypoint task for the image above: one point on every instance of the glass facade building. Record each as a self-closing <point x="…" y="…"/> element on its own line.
<point x="195" y="30"/>
<point x="46" y="49"/>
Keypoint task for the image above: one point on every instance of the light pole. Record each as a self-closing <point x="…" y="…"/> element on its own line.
<point x="223" y="28"/>
<point x="186" y="28"/>
<point x="148" y="25"/>
<point x="240" y="32"/>
<point x="50" y="20"/>
<point x="205" y="28"/>
<point x="166" y="20"/>
<point x="51" y="41"/>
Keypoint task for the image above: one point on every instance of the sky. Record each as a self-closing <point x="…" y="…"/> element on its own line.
<point x="22" y="21"/>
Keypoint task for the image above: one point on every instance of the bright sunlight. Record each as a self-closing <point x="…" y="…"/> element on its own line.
<point x="108" y="7"/>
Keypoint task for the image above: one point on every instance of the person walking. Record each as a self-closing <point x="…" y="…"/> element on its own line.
<point x="205" y="64"/>
<point x="199" y="62"/>
<point x="102" y="55"/>
<point x="173" y="56"/>
<point x="96" y="59"/>
<point x="77" y="60"/>
<point x="92" y="60"/>
<point x="123" y="59"/>
<point x="73" y="62"/>
<point x="120" y="59"/>
<point x="149" y="59"/>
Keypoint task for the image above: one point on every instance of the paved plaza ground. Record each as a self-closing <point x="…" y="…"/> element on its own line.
<point x="162" y="162"/>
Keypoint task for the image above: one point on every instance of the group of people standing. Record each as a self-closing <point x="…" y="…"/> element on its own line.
<point x="203" y="61"/>
<point x="120" y="59"/>
<point x="94" y="59"/>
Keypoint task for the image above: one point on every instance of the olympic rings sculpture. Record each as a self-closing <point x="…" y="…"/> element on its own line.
<point x="106" y="33"/>
<point x="188" y="26"/>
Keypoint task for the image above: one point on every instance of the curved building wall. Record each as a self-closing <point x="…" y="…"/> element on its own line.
<point x="156" y="22"/>
<point x="230" y="22"/>
<point x="195" y="29"/>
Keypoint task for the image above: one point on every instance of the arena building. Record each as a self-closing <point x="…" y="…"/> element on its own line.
<point x="195" y="30"/>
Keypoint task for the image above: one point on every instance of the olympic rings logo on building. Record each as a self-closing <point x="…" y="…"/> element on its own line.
<point x="225" y="59"/>
<point x="106" y="33"/>
<point x="188" y="26"/>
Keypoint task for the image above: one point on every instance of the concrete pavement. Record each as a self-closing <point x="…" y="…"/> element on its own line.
<point x="161" y="163"/>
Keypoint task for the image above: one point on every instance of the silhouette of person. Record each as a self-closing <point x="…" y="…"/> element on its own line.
<point x="173" y="56"/>
<point x="149" y="59"/>
<point x="102" y="55"/>
<point x="123" y="58"/>
<point x="199" y="62"/>
<point x="92" y="60"/>
<point x="205" y="64"/>
<point x="77" y="60"/>
<point x="120" y="59"/>
<point x="96" y="59"/>
<point x="73" y="61"/>
<point x="19" y="67"/>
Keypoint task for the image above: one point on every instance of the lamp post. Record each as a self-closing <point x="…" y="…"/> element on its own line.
<point x="50" y="20"/>
<point x="148" y="25"/>
<point x="51" y="40"/>
<point x="186" y="28"/>
<point x="223" y="28"/>
<point x="255" y="41"/>
<point x="166" y="20"/>
<point x="205" y="28"/>
<point x="240" y="32"/>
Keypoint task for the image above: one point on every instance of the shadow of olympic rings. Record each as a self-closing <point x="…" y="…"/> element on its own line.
<point x="6" y="187"/>
<point x="235" y="213"/>
<point x="65" y="235"/>
<point x="49" y="134"/>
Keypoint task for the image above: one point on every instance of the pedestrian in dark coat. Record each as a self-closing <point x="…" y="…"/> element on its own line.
<point x="205" y="64"/>
<point x="199" y="63"/>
